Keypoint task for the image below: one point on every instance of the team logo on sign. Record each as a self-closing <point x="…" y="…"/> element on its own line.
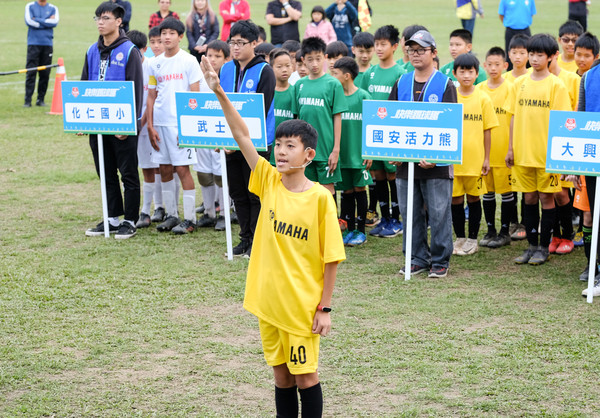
<point x="75" y="91"/>
<point x="433" y="98"/>
<point x="119" y="56"/>
<point x="249" y="84"/>
<point x="382" y="112"/>
<point x="193" y="104"/>
<point x="570" y="124"/>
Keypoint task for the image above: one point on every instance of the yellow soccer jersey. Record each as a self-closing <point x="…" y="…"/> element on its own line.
<point x="571" y="81"/>
<point x="567" y="66"/>
<point x="500" y="133"/>
<point x="508" y="76"/>
<point x="530" y="102"/>
<point x="296" y="235"/>
<point x="478" y="115"/>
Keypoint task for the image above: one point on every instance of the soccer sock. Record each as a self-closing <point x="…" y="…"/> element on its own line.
<point x="548" y="216"/>
<point x="312" y="401"/>
<point x="361" y="210"/>
<point x="523" y="209"/>
<point x="531" y="217"/>
<point x="348" y="208"/>
<point x="514" y="213"/>
<point x="372" y="198"/>
<point x="286" y="402"/>
<point x="565" y="217"/>
<point x="148" y="189"/>
<point x="208" y="195"/>
<point x="458" y="220"/>
<point x="189" y="205"/>
<point x="506" y="207"/>
<point x="556" y="226"/>
<point x="489" y="210"/>
<point x="474" y="218"/>
<point x="383" y="196"/>
<point x="177" y="188"/>
<point x="394" y="198"/>
<point x="219" y="199"/>
<point x="587" y="241"/>
<point x="168" y="191"/>
<point x="158" y="197"/>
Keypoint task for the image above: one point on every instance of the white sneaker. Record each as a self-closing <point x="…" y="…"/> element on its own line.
<point x="469" y="247"/>
<point x="458" y="245"/>
<point x="595" y="290"/>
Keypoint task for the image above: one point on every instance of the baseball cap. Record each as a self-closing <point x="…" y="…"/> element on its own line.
<point x="423" y="38"/>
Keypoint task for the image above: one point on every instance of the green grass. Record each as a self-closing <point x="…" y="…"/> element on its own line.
<point x="154" y="325"/>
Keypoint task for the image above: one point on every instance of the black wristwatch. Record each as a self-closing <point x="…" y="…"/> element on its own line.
<point x="323" y="308"/>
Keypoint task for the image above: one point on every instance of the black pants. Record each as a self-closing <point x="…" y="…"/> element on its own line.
<point x="120" y="156"/>
<point x="578" y="12"/>
<point x="508" y="35"/>
<point x="37" y="55"/>
<point x="247" y="205"/>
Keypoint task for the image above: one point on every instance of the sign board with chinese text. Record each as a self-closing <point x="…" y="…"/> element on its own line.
<point x="201" y="122"/>
<point x="573" y="143"/>
<point x="412" y="131"/>
<point x="99" y="107"/>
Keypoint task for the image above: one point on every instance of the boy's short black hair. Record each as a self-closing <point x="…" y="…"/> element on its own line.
<point x="278" y="52"/>
<point x="335" y="49"/>
<point x="542" y="43"/>
<point x="246" y="29"/>
<point x="109" y="7"/>
<point x="496" y="50"/>
<point x="154" y="32"/>
<point x="262" y="34"/>
<point x="363" y="40"/>
<point x="518" y="41"/>
<point x="463" y="34"/>
<point x="302" y="129"/>
<point x="138" y="38"/>
<point x="348" y="66"/>
<point x="298" y="56"/>
<point x="570" y="27"/>
<point x="291" y="45"/>
<point x="409" y="31"/>
<point x="264" y="49"/>
<point x="173" y="24"/>
<point x="387" y="33"/>
<point x="312" y="44"/>
<point x="219" y="45"/>
<point x="588" y="41"/>
<point x="466" y="62"/>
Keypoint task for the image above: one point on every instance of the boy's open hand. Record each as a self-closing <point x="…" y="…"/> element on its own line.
<point x="321" y="323"/>
<point x="210" y="75"/>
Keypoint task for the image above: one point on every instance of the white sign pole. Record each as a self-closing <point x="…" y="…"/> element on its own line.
<point x="594" y="249"/>
<point x="408" y="221"/>
<point x="103" y="185"/>
<point x="226" y="204"/>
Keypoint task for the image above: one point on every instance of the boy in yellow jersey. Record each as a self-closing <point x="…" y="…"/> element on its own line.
<point x="568" y="33"/>
<point x="530" y="101"/>
<point x="297" y="247"/>
<point x="517" y="52"/>
<point x="498" y="180"/>
<point x="478" y="120"/>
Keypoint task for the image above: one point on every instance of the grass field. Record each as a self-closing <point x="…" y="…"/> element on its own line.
<point x="154" y="326"/>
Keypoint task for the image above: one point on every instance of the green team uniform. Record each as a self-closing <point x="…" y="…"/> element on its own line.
<point x="407" y="66"/>
<point x="448" y="68"/>
<point x="282" y="106"/>
<point x="359" y="77"/>
<point x="316" y="101"/>
<point x="378" y="82"/>
<point x="354" y="173"/>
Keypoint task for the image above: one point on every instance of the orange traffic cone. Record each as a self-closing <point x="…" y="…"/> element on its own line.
<point x="57" y="105"/>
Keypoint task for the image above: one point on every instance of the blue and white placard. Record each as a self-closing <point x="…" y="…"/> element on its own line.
<point x="573" y="143"/>
<point x="201" y="122"/>
<point x="99" y="107"/>
<point x="412" y="131"/>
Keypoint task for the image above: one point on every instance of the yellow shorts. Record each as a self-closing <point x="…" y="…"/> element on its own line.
<point x="300" y="354"/>
<point x="566" y="184"/>
<point x="498" y="180"/>
<point x="580" y="201"/>
<point x="471" y="185"/>
<point x="533" y="179"/>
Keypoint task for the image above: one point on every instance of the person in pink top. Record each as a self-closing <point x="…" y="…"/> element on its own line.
<point x="320" y="27"/>
<point x="231" y="11"/>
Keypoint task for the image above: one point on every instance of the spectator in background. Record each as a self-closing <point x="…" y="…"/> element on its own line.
<point x="232" y="11"/>
<point x="319" y="27"/>
<point x="467" y="11"/>
<point x="516" y="16"/>
<point x="578" y="11"/>
<point x="163" y="12"/>
<point x="262" y="35"/>
<point x="41" y="17"/>
<point x="201" y="27"/>
<point x="342" y="13"/>
<point x="283" y="16"/>
<point x="355" y="24"/>
<point x="127" y="17"/>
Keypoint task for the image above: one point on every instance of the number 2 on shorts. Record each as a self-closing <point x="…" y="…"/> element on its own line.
<point x="300" y="356"/>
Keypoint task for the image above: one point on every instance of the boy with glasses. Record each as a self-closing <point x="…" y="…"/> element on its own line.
<point x="568" y="33"/>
